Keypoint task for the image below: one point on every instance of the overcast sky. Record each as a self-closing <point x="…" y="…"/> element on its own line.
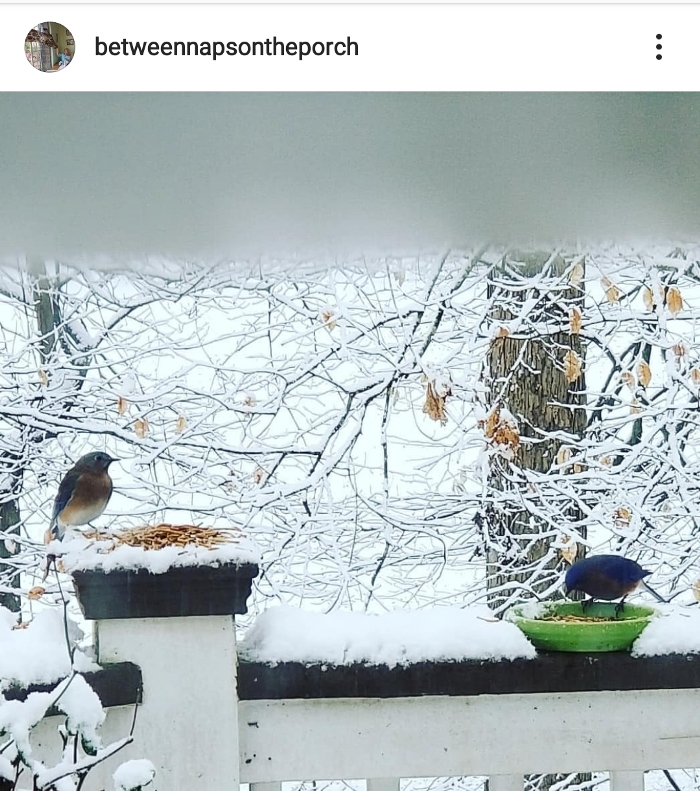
<point x="211" y="174"/>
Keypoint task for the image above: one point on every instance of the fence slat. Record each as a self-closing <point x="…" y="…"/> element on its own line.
<point x="626" y="781"/>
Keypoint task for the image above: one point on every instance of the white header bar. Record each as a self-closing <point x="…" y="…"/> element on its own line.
<point x="397" y="48"/>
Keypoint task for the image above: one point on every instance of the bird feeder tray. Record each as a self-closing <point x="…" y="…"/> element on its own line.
<point x="564" y="626"/>
<point x="177" y="592"/>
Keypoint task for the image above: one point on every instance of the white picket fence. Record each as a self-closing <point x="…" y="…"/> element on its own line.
<point x="202" y="738"/>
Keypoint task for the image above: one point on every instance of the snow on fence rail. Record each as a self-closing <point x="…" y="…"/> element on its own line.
<point x="212" y="716"/>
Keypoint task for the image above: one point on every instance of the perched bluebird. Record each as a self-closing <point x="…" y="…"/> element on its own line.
<point x="605" y="577"/>
<point x="83" y="494"/>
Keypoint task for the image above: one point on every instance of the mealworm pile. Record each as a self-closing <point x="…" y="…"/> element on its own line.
<point x="167" y="535"/>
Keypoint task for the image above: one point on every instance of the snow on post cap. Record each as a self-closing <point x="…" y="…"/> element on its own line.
<point x="133" y="775"/>
<point x="286" y="634"/>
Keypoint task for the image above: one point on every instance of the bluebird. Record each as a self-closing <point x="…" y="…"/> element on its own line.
<point x="605" y="577"/>
<point x="83" y="494"/>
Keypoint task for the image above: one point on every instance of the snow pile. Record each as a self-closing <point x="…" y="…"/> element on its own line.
<point x="37" y="654"/>
<point x="84" y="716"/>
<point x="83" y="710"/>
<point x="7" y="771"/>
<point x="133" y="775"/>
<point x="17" y="718"/>
<point x="285" y="634"/>
<point x="673" y="631"/>
<point x="81" y="554"/>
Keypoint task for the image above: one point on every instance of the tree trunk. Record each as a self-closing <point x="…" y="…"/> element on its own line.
<point x="526" y="375"/>
<point x="9" y="524"/>
<point x="47" y="322"/>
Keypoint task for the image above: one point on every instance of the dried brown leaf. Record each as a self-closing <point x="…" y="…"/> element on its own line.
<point x="491" y="422"/>
<point x="573" y="365"/>
<point x="36" y="593"/>
<point x="43" y="377"/>
<point x="328" y="319"/>
<point x="122" y="405"/>
<point x="507" y="434"/>
<point x="606" y="461"/>
<point x="563" y="455"/>
<point x="628" y="378"/>
<point x="576" y="274"/>
<point x="679" y="350"/>
<point x="141" y="427"/>
<point x="695" y="375"/>
<point x="635" y="407"/>
<point x="674" y="301"/>
<point x="575" y="321"/>
<point x="622" y="517"/>
<point x="644" y="373"/>
<point x="502" y="332"/>
<point x="180" y="424"/>
<point x="502" y="429"/>
<point x="696" y="590"/>
<point x="612" y="292"/>
<point x="569" y="549"/>
<point x="259" y="475"/>
<point x="434" y="406"/>
<point x="648" y="298"/>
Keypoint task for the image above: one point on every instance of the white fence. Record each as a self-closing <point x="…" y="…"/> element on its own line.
<point x="201" y="737"/>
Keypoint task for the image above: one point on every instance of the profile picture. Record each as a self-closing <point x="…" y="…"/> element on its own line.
<point x="49" y="47"/>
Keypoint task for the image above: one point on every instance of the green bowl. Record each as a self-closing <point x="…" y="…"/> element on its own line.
<point x="617" y="634"/>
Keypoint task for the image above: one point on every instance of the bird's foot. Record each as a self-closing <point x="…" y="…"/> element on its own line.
<point x="619" y="607"/>
<point x="585" y="604"/>
<point x="50" y="561"/>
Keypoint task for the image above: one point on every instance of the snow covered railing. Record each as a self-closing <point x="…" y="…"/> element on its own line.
<point x="350" y="697"/>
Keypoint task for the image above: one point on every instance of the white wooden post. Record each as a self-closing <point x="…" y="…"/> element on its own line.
<point x="626" y="781"/>
<point x="189" y="698"/>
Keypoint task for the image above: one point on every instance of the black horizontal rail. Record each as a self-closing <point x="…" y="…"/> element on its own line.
<point x="116" y="684"/>
<point x="549" y="672"/>
<point x="120" y="684"/>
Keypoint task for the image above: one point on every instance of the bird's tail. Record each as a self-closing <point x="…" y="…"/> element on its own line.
<point x="657" y="596"/>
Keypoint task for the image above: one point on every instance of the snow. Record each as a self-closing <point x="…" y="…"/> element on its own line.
<point x="17" y="718"/>
<point x="81" y="554"/>
<point x="67" y="768"/>
<point x="83" y="710"/>
<point x="7" y="771"/>
<point x="133" y="775"/>
<point x="676" y="630"/>
<point x="285" y="634"/>
<point x="37" y="654"/>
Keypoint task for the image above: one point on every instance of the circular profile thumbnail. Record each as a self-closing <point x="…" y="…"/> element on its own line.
<point x="49" y="47"/>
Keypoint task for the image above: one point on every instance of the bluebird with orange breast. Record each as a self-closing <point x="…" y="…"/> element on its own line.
<point x="83" y="494"/>
<point x="606" y="577"/>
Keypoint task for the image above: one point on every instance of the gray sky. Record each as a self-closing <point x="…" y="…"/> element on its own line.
<point x="209" y="174"/>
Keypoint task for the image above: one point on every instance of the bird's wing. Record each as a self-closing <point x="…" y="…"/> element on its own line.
<point x="65" y="492"/>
